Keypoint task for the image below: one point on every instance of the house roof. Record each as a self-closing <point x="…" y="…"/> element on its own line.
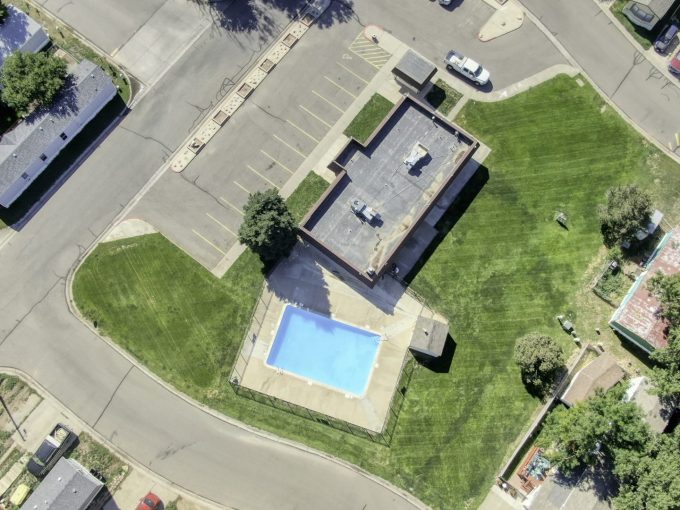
<point x="601" y="373"/>
<point x="68" y="486"/>
<point x="658" y="7"/>
<point x="654" y="413"/>
<point x="637" y="318"/>
<point x="23" y="145"/>
<point x="20" y="32"/>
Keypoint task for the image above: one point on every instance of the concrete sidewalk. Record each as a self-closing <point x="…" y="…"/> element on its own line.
<point x="35" y="426"/>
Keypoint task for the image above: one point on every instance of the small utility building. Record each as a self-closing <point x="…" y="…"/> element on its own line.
<point x="27" y="150"/>
<point x="600" y="374"/>
<point x="637" y="319"/>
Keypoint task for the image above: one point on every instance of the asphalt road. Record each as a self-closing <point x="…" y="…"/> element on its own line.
<point x="39" y="336"/>
<point x="650" y="99"/>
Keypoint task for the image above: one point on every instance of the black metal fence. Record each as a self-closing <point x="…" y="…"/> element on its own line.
<point x="383" y="437"/>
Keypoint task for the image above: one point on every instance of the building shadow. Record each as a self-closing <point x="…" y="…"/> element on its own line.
<point x="451" y="217"/>
<point x="64" y="165"/>
<point x="442" y="364"/>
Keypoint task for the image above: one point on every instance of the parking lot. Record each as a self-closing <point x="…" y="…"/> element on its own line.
<point x="270" y="136"/>
<point x="264" y="144"/>
<point x="148" y="37"/>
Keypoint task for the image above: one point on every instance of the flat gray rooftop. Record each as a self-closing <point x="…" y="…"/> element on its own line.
<point x="378" y="176"/>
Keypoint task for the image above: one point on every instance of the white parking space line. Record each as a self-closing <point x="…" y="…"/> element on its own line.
<point x="302" y="131"/>
<point x="261" y="176"/>
<point x="352" y="72"/>
<point x="231" y="205"/>
<point x="242" y="187"/>
<point x="315" y="116"/>
<point x="341" y="87"/>
<point x="327" y="101"/>
<point x="209" y="242"/>
<point x="221" y="224"/>
<point x="277" y="162"/>
<point x="291" y="147"/>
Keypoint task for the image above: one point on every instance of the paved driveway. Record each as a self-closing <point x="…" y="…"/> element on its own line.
<point x="624" y="74"/>
<point x="433" y="30"/>
<point x="147" y="37"/>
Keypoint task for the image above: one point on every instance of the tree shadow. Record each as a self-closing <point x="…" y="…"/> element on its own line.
<point x="452" y="216"/>
<point x="263" y="16"/>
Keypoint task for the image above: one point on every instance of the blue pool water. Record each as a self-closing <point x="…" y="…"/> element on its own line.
<point x="327" y="351"/>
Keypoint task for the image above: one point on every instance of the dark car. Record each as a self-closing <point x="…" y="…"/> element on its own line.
<point x="53" y="447"/>
<point x="674" y="66"/>
<point x="663" y="42"/>
<point x="150" y="502"/>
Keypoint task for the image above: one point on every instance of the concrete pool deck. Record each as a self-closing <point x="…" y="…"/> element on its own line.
<point x="312" y="281"/>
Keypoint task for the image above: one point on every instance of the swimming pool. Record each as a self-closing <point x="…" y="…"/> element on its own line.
<point x="327" y="351"/>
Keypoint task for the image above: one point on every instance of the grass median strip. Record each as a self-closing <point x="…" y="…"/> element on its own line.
<point x="500" y="267"/>
<point x="369" y="118"/>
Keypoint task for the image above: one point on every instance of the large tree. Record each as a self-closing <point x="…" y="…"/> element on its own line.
<point x="667" y="290"/>
<point x="627" y="210"/>
<point x="3" y="11"/>
<point x="268" y="228"/>
<point x="666" y="375"/>
<point x="31" y="79"/>
<point x="649" y="478"/>
<point x="540" y="359"/>
<point x="598" y="426"/>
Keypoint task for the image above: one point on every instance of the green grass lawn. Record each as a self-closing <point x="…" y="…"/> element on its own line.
<point x="370" y="116"/>
<point x="500" y="268"/>
<point x="443" y="97"/>
<point x="308" y="192"/>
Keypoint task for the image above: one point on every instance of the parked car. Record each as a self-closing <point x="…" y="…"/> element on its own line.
<point x="663" y="42"/>
<point x="467" y="67"/>
<point x="150" y="502"/>
<point x="53" y="447"/>
<point x="674" y="65"/>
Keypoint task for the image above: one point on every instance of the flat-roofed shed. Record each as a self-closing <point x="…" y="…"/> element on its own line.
<point x="414" y="69"/>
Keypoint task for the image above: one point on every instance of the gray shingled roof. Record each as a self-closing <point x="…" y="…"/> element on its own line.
<point x="26" y="142"/>
<point x="69" y="486"/>
<point x="20" y="32"/>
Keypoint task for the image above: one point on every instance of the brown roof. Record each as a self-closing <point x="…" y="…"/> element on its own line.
<point x="637" y="318"/>
<point x="601" y="373"/>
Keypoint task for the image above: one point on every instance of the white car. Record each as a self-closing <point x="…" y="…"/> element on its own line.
<point x="467" y="67"/>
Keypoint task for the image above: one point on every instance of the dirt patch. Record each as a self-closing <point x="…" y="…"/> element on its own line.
<point x="95" y="456"/>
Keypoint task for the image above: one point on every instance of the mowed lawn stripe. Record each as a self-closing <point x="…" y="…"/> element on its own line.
<point x="500" y="267"/>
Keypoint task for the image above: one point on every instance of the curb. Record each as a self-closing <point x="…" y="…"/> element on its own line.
<point x="84" y="40"/>
<point x="675" y="157"/>
<point x="45" y="394"/>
